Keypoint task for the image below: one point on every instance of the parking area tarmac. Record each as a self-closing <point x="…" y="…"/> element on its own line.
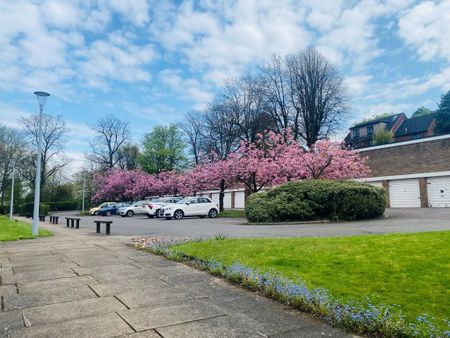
<point x="394" y="221"/>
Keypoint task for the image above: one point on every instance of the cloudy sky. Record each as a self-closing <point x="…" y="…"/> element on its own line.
<point x="152" y="61"/>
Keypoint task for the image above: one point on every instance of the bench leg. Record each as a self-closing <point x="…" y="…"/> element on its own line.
<point x="72" y="223"/>
<point x="108" y="229"/>
<point x="78" y="224"/>
<point x="67" y="223"/>
<point x="56" y="220"/>
<point x="98" y="227"/>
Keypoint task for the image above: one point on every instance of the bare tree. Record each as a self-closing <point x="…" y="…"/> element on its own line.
<point x="111" y="134"/>
<point x="275" y="89"/>
<point x="53" y="132"/>
<point x="193" y="127"/>
<point x="127" y="156"/>
<point x="317" y="94"/>
<point x="221" y="136"/>
<point x="12" y="148"/>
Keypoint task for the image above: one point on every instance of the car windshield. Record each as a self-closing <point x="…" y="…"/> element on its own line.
<point x="184" y="200"/>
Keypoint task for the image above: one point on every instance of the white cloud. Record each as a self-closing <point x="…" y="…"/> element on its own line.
<point x="187" y="88"/>
<point x="425" y="27"/>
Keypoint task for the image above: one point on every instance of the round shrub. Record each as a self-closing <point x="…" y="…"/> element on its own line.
<point x="317" y="199"/>
<point x="257" y="206"/>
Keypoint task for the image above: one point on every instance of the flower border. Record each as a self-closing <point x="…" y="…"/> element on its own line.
<point x="359" y="317"/>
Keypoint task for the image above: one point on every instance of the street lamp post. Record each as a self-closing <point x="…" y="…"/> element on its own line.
<point x="84" y="193"/>
<point x="11" y="203"/>
<point x="41" y="98"/>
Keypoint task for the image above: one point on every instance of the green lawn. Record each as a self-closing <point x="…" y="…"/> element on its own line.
<point x="15" y="230"/>
<point x="233" y="213"/>
<point x="410" y="270"/>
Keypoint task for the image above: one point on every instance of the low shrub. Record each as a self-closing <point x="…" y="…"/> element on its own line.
<point x="317" y="199"/>
<point x="4" y="209"/>
<point x="26" y="209"/>
<point x="63" y="205"/>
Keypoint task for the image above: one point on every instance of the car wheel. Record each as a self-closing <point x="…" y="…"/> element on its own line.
<point x="130" y="213"/>
<point x="178" y="214"/>
<point x="212" y="213"/>
<point x="158" y="213"/>
<point x="96" y="213"/>
<point x="202" y="216"/>
<point x="108" y="213"/>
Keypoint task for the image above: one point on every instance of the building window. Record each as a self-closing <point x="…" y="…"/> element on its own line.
<point x="369" y="130"/>
<point x="356" y="133"/>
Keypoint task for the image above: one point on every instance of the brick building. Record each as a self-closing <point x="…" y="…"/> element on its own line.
<point x="415" y="173"/>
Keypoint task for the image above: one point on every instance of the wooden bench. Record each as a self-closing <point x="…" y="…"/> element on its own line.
<point x="54" y="219"/>
<point x="73" y="221"/>
<point x="107" y="225"/>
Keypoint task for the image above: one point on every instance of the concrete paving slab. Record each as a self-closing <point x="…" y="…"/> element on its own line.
<point x="118" y="268"/>
<point x="47" y="296"/>
<point x="143" y="334"/>
<point x="239" y="302"/>
<point x="65" y="311"/>
<point x="108" y="325"/>
<point x="10" y="320"/>
<point x="230" y="326"/>
<point x="154" y="317"/>
<point x="8" y="289"/>
<point x="157" y="297"/>
<point x="60" y="283"/>
<point x="38" y="275"/>
<point x="127" y="285"/>
<point x="37" y="268"/>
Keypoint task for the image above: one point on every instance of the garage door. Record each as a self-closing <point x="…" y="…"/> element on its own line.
<point x="227" y="200"/>
<point x="404" y="194"/>
<point x="215" y="197"/>
<point x="438" y="189"/>
<point x="239" y="199"/>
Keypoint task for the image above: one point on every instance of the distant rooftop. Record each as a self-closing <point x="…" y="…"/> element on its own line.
<point x="389" y="120"/>
<point x="415" y="125"/>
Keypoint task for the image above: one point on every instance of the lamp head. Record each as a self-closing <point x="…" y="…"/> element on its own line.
<point x="41" y="97"/>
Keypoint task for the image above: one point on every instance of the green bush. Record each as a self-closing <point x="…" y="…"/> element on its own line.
<point x="63" y="205"/>
<point x="315" y="200"/>
<point x="26" y="209"/>
<point x="4" y="209"/>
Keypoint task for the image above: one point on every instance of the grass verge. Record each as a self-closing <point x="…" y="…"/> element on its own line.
<point x="15" y="230"/>
<point x="233" y="213"/>
<point x="388" y="285"/>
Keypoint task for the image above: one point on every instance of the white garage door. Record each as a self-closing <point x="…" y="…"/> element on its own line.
<point x="215" y="197"/>
<point x="404" y="194"/>
<point x="239" y="199"/>
<point x="438" y="189"/>
<point x="227" y="200"/>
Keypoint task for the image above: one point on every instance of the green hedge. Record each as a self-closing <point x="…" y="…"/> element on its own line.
<point x="63" y="205"/>
<point x="4" y="209"/>
<point x="27" y="209"/>
<point x="316" y="200"/>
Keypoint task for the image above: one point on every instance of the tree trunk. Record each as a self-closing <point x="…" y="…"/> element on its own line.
<point x="221" y="195"/>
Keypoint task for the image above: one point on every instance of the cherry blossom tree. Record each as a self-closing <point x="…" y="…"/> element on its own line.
<point x="327" y="159"/>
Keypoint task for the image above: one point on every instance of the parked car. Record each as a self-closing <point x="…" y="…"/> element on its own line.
<point x="111" y="210"/>
<point x="191" y="206"/>
<point x="162" y="202"/>
<point x="95" y="210"/>
<point x="138" y="208"/>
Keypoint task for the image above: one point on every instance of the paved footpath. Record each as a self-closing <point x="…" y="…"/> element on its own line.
<point x="80" y="284"/>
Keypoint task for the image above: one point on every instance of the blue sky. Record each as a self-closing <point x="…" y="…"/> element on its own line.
<point x="152" y="61"/>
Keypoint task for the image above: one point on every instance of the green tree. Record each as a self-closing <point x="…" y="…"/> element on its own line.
<point x="421" y="111"/>
<point x="163" y="150"/>
<point x="383" y="137"/>
<point x="377" y="116"/>
<point x="443" y="115"/>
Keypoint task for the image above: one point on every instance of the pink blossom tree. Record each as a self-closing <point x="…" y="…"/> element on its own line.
<point x="327" y="159"/>
<point x="272" y="159"/>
